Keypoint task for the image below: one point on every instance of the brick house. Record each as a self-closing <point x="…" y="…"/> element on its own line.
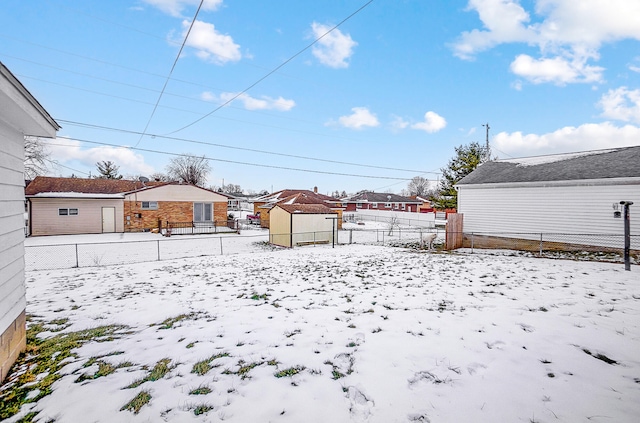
<point x="179" y="203"/>
<point x="367" y="200"/>
<point x="64" y="206"/>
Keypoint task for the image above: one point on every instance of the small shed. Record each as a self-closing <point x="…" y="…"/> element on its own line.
<point x="302" y="224"/>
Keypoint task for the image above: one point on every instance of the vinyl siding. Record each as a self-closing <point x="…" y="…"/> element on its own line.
<point x="12" y="289"/>
<point x="46" y="221"/>
<point x="547" y="209"/>
<point x="280" y="227"/>
<point x="312" y="227"/>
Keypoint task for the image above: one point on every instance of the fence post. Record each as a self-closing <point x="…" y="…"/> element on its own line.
<point x="471" y="242"/>
<point x="77" y="262"/>
<point x="221" y="253"/>
<point x="158" y="241"/>
<point x="540" y="244"/>
<point x="314" y="239"/>
<point x="350" y="236"/>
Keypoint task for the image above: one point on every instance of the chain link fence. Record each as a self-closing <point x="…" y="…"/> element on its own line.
<point x="603" y="247"/>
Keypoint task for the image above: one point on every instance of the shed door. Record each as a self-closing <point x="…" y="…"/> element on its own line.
<point x="108" y="219"/>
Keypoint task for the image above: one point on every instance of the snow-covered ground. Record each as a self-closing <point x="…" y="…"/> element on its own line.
<point x="357" y="333"/>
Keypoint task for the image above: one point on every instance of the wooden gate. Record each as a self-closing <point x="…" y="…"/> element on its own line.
<point x="453" y="229"/>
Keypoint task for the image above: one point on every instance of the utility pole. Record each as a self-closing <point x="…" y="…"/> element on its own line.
<point x="488" y="149"/>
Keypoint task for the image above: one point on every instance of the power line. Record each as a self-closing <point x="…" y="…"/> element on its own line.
<point x="273" y="70"/>
<point x="242" y="148"/>
<point x="227" y="161"/>
<point x="175" y="62"/>
<point x="55" y="162"/>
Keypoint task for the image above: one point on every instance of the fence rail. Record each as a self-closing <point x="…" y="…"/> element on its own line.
<point x="606" y="247"/>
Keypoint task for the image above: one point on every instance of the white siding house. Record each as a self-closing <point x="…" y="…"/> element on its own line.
<point x="20" y="115"/>
<point x="558" y="194"/>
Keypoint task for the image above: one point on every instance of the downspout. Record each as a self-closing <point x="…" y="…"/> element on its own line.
<point x="291" y="230"/>
<point x="29" y="215"/>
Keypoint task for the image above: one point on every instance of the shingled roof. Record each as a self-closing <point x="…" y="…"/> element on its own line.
<point x="598" y="164"/>
<point x="45" y="184"/>
<point x="305" y="208"/>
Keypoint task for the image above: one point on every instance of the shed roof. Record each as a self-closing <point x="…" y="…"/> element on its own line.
<point x="598" y="164"/>
<point x="306" y="209"/>
<point x="46" y="184"/>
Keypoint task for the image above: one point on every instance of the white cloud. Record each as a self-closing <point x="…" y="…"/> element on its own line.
<point x="175" y="7"/>
<point x="252" y="103"/>
<point x="567" y="33"/>
<point x="557" y="70"/>
<point x="621" y="104"/>
<point x="64" y="150"/>
<point x="590" y="136"/>
<point x="360" y="118"/>
<point x="210" y="44"/>
<point x="433" y="122"/>
<point x="334" y="49"/>
<point x="399" y="123"/>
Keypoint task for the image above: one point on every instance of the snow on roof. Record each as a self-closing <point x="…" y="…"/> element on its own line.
<point x="538" y="160"/>
<point x="74" y="195"/>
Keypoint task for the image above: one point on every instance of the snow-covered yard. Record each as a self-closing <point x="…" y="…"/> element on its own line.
<point x="354" y="333"/>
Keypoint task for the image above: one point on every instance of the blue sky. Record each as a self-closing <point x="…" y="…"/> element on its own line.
<point x="384" y="97"/>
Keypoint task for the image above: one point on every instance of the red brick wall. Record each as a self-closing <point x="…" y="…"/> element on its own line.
<point x="137" y="219"/>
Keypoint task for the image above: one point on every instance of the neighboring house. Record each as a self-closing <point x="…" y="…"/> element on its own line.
<point x="68" y="206"/>
<point x="565" y="193"/>
<point x="367" y="200"/>
<point x="20" y="115"/>
<point x="301" y="224"/>
<point x="265" y="203"/>
<point x="63" y="206"/>
<point x="152" y="207"/>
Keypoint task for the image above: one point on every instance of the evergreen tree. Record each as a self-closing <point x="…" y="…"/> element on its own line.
<point x="108" y="170"/>
<point x="467" y="158"/>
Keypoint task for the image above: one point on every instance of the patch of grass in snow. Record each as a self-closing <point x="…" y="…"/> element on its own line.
<point x="137" y="402"/>
<point x="243" y="369"/>
<point x="34" y="372"/>
<point x="200" y="390"/>
<point x="202" y="367"/>
<point x="289" y="372"/>
<point x="601" y="357"/>
<point x="256" y="297"/>
<point x="169" y="322"/>
<point x="159" y="371"/>
<point x="202" y="408"/>
<point x="104" y="369"/>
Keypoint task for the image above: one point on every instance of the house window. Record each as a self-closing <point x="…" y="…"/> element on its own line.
<point x="404" y="206"/>
<point x="202" y="212"/>
<point x="149" y="205"/>
<point x="388" y="205"/>
<point x="358" y="205"/>
<point x="67" y="212"/>
<point x="374" y="205"/>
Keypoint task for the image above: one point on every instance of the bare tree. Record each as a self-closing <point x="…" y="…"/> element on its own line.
<point x="418" y="186"/>
<point x="190" y="169"/>
<point x="159" y="177"/>
<point x="35" y="158"/>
